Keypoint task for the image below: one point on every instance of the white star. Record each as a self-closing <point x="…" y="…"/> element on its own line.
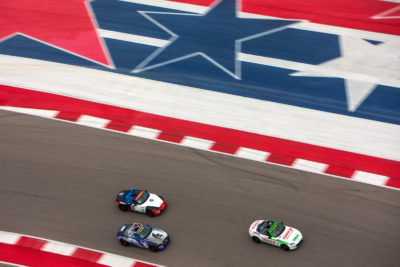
<point x="363" y="66"/>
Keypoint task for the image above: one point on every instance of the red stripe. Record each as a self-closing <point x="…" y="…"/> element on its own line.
<point x="31" y="242"/>
<point x="37" y="258"/>
<point x="354" y="14"/>
<point x="68" y="116"/>
<point x="340" y="171"/>
<point x="88" y="255"/>
<point x="226" y="140"/>
<point x="280" y="158"/>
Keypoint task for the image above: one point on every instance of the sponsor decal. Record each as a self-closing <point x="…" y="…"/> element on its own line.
<point x="288" y="233"/>
<point x="268" y="241"/>
<point x="294" y="239"/>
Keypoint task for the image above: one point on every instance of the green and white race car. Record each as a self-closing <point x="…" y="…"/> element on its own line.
<point x="275" y="233"/>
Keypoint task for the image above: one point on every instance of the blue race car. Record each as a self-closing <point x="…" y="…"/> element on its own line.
<point x="143" y="236"/>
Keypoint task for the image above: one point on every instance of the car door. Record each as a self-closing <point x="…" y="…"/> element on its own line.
<point x="138" y="208"/>
<point x="133" y="241"/>
<point x="142" y="243"/>
<point x="269" y="240"/>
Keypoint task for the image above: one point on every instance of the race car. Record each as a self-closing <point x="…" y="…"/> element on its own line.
<point x="140" y="201"/>
<point x="275" y="233"/>
<point x="143" y="236"/>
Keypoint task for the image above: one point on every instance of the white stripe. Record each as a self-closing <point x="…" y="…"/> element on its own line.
<point x="354" y="33"/>
<point x="144" y="132"/>
<point x="263" y="117"/>
<point x="303" y="25"/>
<point x="253" y="154"/>
<point x="92" y="121"/>
<point x="31" y="111"/>
<point x="133" y="38"/>
<point x="59" y="248"/>
<point x="12" y="264"/>
<point x="394" y="1"/>
<point x="280" y="63"/>
<point x="9" y="238"/>
<point x="197" y="142"/>
<point x="113" y="260"/>
<point x="327" y="72"/>
<point x="370" y="178"/>
<point x="307" y="165"/>
<point x="171" y="5"/>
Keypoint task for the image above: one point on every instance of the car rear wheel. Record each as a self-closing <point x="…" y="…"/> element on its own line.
<point x="255" y="239"/>
<point x="284" y="247"/>
<point x="123" y="207"/>
<point x="124" y="243"/>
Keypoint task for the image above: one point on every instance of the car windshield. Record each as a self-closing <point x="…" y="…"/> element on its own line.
<point x="144" y="231"/>
<point x="142" y="197"/>
<point x="277" y="229"/>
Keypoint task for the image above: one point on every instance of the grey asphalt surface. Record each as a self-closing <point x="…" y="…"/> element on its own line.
<point x="59" y="181"/>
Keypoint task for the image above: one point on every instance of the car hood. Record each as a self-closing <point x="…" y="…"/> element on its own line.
<point x="154" y="201"/>
<point x="157" y="236"/>
<point x="290" y="235"/>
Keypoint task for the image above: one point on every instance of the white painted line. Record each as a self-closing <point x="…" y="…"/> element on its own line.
<point x="171" y="5"/>
<point x="59" y="248"/>
<point x="144" y="132"/>
<point x="370" y="178"/>
<point x="113" y="260"/>
<point x="307" y="165"/>
<point x="31" y="111"/>
<point x="253" y="154"/>
<point x="92" y="121"/>
<point x="9" y="238"/>
<point x="133" y="38"/>
<point x="197" y="142"/>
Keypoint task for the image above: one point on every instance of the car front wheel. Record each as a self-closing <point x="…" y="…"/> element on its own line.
<point x="124" y="243"/>
<point x="284" y="247"/>
<point x="153" y="248"/>
<point x="149" y="213"/>
<point x="255" y="239"/>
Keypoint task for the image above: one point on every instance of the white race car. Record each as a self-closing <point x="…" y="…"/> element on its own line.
<point x="275" y="233"/>
<point x="140" y="201"/>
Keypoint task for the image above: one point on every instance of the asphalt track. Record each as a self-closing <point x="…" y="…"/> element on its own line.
<point x="59" y="180"/>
